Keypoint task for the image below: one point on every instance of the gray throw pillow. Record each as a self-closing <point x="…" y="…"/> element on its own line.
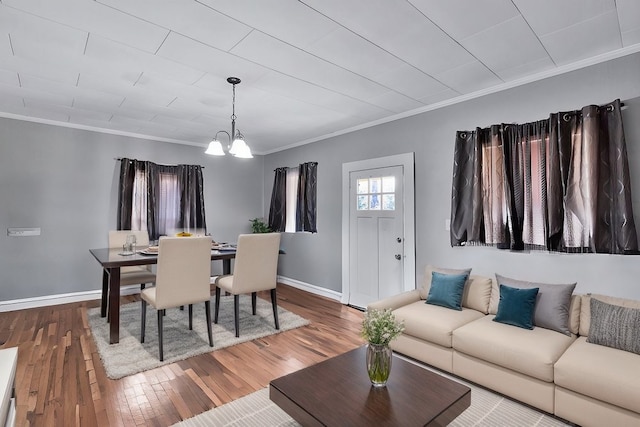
<point x="615" y="326"/>
<point x="552" y="306"/>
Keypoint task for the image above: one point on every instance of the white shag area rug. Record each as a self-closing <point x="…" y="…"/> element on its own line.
<point x="129" y="356"/>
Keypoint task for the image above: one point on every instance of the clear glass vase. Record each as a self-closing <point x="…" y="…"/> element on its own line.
<point x="378" y="364"/>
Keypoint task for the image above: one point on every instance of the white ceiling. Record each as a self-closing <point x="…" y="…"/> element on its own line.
<point x="311" y="68"/>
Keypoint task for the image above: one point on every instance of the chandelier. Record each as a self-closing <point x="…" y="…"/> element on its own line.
<point x="236" y="147"/>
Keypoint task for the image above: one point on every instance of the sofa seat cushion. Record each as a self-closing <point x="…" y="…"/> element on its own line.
<point x="602" y="373"/>
<point x="433" y="323"/>
<point x="529" y="352"/>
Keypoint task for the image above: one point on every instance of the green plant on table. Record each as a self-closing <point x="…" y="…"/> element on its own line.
<point x="259" y="226"/>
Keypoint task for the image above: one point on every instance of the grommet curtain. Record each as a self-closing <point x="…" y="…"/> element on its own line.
<point x="159" y="198"/>
<point x="278" y="208"/>
<point x="306" y="211"/>
<point x="560" y="184"/>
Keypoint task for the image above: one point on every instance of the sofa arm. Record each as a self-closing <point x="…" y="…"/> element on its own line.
<point x="396" y="301"/>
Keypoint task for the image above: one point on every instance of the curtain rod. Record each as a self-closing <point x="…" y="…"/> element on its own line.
<point x="120" y="159"/>
<point x="294" y="167"/>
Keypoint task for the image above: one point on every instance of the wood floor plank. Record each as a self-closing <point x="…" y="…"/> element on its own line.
<point x="60" y="379"/>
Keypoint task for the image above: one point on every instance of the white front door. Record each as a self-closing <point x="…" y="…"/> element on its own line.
<point x="378" y="252"/>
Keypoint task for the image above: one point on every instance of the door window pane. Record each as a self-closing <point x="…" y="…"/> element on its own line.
<point x="389" y="184"/>
<point x="363" y="186"/>
<point x="389" y="202"/>
<point x="374" y="202"/>
<point x="374" y="185"/>
<point x="363" y="203"/>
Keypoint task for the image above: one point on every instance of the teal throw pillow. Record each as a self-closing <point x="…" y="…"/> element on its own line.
<point x="516" y="306"/>
<point x="446" y="290"/>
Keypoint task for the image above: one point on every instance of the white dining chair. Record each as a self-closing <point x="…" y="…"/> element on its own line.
<point x="135" y="275"/>
<point x="255" y="269"/>
<point x="182" y="278"/>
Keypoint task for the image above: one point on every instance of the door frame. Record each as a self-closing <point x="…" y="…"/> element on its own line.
<point x="409" y="261"/>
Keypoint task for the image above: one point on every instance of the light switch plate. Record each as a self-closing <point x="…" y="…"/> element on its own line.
<point x="23" y="232"/>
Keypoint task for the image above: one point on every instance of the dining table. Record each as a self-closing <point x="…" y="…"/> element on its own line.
<point x="112" y="260"/>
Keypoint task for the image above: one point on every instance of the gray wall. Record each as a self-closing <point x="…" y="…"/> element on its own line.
<point x="316" y="259"/>
<point x="65" y="181"/>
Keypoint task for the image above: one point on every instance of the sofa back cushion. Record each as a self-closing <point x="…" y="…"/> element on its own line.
<point x="585" y="308"/>
<point x="552" y="310"/>
<point x="477" y="289"/>
<point x="574" y="313"/>
<point x="477" y="293"/>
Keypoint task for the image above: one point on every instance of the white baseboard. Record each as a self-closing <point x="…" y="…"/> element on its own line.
<point x="35" y="302"/>
<point x="313" y="289"/>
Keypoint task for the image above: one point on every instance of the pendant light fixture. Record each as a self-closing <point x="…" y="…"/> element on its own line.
<point x="236" y="147"/>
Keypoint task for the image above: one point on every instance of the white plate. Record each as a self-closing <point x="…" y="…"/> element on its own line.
<point x="148" y="252"/>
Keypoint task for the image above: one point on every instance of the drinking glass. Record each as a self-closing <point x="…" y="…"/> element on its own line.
<point x="130" y="245"/>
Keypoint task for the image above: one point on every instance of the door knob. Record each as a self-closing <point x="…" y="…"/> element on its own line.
<point x="398" y="257"/>
<point x="399" y="239"/>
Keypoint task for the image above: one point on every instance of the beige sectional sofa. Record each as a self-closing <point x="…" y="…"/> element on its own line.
<point x="559" y="373"/>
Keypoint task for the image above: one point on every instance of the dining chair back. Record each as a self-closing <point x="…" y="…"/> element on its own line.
<point x="183" y="271"/>
<point x="255" y="269"/>
<point x="117" y="238"/>
<point x="182" y="278"/>
<point x="134" y="275"/>
<point x="256" y="265"/>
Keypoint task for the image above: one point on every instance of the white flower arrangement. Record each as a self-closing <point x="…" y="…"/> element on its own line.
<point x="380" y="327"/>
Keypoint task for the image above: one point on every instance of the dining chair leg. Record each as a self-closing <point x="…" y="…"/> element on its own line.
<point x="160" y="349"/>
<point x="274" y="303"/>
<point x="253" y="302"/>
<point x="191" y="317"/>
<point x="143" y="323"/>
<point x="217" y="306"/>
<point x="236" y="313"/>
<point x="207" y="306"/>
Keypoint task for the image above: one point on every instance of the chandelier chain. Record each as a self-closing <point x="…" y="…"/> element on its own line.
<point x="233" y="104"/>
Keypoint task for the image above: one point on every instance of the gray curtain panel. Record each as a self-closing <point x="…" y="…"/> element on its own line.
<point x="128" y="170"/>
<point x="306" y="211"/>
<point x="191" y="184"/>
<point x="278" y="208"/>
<point x="560" y="184"/>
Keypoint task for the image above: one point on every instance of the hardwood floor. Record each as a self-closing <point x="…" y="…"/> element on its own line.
<point x="60" y="380"/>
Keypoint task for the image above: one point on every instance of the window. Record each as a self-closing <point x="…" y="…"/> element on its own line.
<point x="376" y="193"/>
<point x="161" y="199"/>
<point x="293" y="199"/>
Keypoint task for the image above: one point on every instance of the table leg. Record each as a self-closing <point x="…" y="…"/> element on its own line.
<point x="226" y="266"/>
<point x="105" y="292"/>
<point x="114" y="305"/>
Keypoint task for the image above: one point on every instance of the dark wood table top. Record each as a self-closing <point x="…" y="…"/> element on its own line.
<point x="337" y="392"/>
<point x="110" y="258"/>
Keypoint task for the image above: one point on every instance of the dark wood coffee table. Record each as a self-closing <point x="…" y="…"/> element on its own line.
<point x="337" y="392"/>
